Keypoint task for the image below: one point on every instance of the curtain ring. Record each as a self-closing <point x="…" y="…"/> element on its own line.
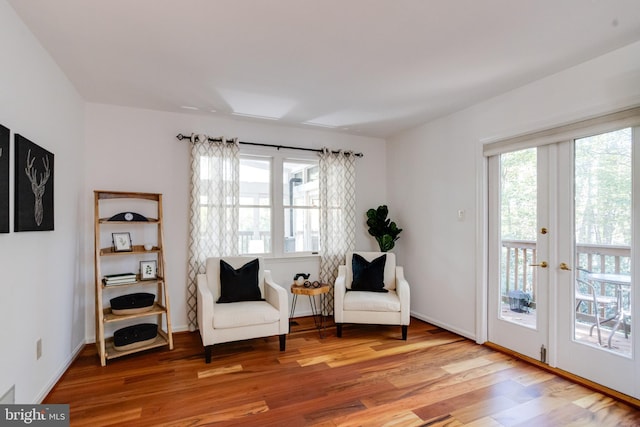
<point x="199" y="137"/>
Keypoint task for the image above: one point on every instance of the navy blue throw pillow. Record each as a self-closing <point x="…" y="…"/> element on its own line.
<point x="368" y="276"/>
<point x="241" y="284"/>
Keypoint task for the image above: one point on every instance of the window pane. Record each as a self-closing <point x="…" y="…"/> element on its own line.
<point x="302" y="227"/>
<point x="255" y="182"/>
<point x="255" y="205"/>
<point x="301" y="205"/>
<point x="603" y="224"/>
<point x="518" y="216"/>
<point x="300" y="183"/>
<point x="255" y="230"/>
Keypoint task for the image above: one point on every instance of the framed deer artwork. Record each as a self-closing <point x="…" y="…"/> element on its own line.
<point x="33" y="207"/>
<point x="4" y="179"/>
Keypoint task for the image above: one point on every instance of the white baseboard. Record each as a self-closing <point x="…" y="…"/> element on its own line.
<point x="435" y="322"/>
<point x="54" y="380"/>
<point x="182" y="328"/>
<point x="305" y="313"/>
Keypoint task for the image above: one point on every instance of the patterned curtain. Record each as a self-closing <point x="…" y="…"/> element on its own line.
<point x="337" y="213"/>
<point x="214" y="208"/>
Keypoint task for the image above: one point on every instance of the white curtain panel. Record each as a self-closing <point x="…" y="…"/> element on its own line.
<point x="337" y="213"/>
<point x="214" y="208"/>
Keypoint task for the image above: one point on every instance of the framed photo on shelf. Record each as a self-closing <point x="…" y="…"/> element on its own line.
<point x="148" y="270"/>
<point x="122" y="242"/>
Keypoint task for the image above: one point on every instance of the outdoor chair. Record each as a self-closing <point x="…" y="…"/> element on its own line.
<point x="588" y="293"/>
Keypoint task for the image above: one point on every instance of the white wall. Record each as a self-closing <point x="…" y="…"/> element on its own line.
<point x="42" y="294"/>
<point x="132" y="149"/>
<point x="438" y="168"/>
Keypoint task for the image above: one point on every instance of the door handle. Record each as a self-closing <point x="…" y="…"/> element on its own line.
<point x="543" y="264"/>
<point x="564" y="266"/>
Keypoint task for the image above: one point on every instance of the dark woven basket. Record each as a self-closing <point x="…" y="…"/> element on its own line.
<point x="133" y="334"/>
<point x="137" y="302"/>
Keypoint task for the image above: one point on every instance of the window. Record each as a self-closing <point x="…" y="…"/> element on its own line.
<point x="255" y="205"/>
<point x="278" y="216"/>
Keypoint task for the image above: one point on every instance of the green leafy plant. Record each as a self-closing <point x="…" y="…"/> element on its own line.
<point x="385" y="231"/>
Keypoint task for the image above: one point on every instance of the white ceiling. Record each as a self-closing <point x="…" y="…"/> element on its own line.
<point x="369" y="67"/>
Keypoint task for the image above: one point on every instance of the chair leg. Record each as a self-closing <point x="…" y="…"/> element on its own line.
<point x="283" y="341"/>
<point x="339" y="330"/>
<point x="207" y="353"/>
<point x="404" y="332"/>
<point x="597" y="324"/>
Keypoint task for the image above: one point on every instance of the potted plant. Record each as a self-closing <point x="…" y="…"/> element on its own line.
<point x="385" y="231"/>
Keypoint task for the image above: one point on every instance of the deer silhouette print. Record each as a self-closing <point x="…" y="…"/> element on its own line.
<point x="37" y="186"/>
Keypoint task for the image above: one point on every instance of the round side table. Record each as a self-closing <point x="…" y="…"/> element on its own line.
<point x="316" y="310"/>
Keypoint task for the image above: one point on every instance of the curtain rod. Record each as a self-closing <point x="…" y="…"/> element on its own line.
<point x="317" y="150"/>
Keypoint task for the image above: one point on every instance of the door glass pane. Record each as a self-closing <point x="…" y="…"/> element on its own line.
<point x="603" y="240"/>
<point x="518" y="224"/>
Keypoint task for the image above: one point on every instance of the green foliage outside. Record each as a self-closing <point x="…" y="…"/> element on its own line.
<point x="603" y="189"/>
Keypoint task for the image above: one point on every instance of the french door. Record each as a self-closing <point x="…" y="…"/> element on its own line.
<point x="561" y="259"/>
<point x="520" y="245"/>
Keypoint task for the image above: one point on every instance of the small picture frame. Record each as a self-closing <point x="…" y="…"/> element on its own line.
<point x="148" y="270"/>
<point x="121" y="242"/>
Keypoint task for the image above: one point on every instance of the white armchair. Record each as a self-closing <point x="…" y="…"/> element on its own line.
<point x="235" y="321"/>
<point x="380" y="308"/>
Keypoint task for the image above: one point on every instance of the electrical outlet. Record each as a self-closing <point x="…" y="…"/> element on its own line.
<point x="39" y="349"/>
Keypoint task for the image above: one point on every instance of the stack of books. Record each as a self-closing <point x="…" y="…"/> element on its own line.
<point x="119" y="279"/>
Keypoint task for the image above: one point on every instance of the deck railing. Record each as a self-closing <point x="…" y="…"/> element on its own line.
<point x="517" y="273"/>
<point x="254" y="242"/>
<point x="259" y="242"/>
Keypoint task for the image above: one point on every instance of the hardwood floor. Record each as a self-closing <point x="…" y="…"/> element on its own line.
<point x="369" y="377"/>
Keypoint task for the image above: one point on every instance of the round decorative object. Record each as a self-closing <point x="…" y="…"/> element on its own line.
<point x="128" y="216"/>
<point x="315" y="284"/>
<point x="299" y="278"/>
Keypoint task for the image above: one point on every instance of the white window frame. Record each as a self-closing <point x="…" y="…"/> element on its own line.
<point x="277" y="205"/>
